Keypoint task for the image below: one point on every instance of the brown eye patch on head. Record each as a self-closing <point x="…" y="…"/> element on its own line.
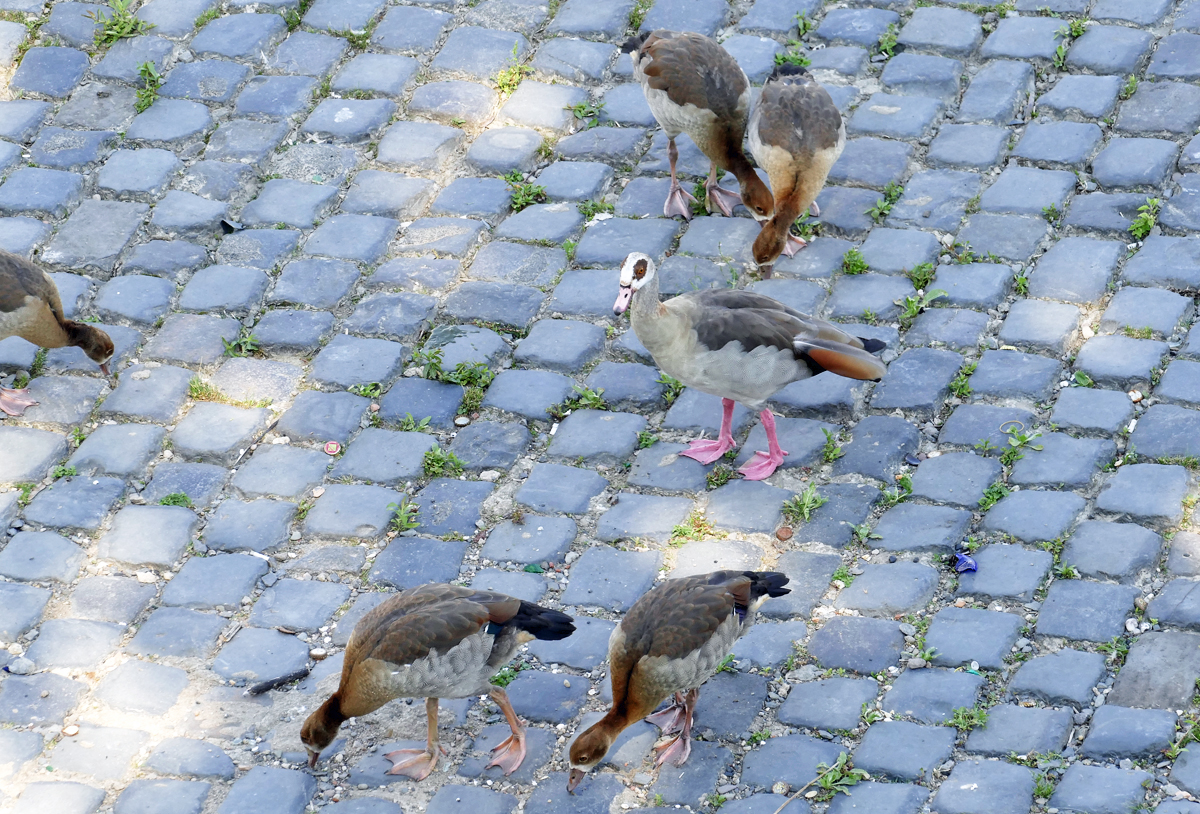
<point x="639" y="269"/>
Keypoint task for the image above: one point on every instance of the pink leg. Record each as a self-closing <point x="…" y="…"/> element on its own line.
<point x="761" y="468"/>
<point x="13" y="403"/>
<point x="418" y="763"/>
<point x="677" y="750"/>
<point x="706" y="451"/>
<point x="678" y="199"/>
<point x="722" y="198"/>
<point x="793" y="245"/>
<point x="509" y="753"/>
<point x="670" y="720"/>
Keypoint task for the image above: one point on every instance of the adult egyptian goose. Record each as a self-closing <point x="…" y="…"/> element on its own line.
<point x="31" y="309"/>
<point x="431" y="642"/>
<point x="740" y="346"/>
<point x="695" y="86"/>
<point x="796" y="135"/>
<point x="672" y="640"/>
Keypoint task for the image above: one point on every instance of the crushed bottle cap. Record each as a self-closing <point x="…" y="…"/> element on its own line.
<point x="332" y="447"/>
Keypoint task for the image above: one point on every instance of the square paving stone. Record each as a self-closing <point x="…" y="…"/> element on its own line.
<point x="1175" y="604"/>
<point x="611" y="579"/>
<point x="935" y="199"/>
<point x="387" y="194"/>
<point x="260" y="525"/>
<point x="964" y="635"/>
<point x="1076" y="269"/>
<point x="207" y="80"/>
<point x="1066" y="676"/>
<point x="110" y="599"/>
<point x="31" y="453"/>
<point x="904" y="751"/>
<point x="1122" y="732"/>
<point x="164" y="258"/>
<point x="350" y="360"/>
<point x="421" y="398"/>
<point x="292" y="331"/>
<point x="894" y="251"/>
<point x="768" y="645"/>
<point x="77" y="150"/>
<point x="258" y="248"/>
<point x="562" y="345"/>
<point x="140" y="175"/>
<point x="155" y="796"/>
<point x="218" y="433"/>
<point x="998" y="90"/>
<point x="117" y="748"/>
<point x="979" y="785"/>
<point x="94" y="235"/>
<point x="1092" y="411"/>
<point x="315" y="282"/>
<point x="21" y="119"/>
<point x="1158" y="672"/>
<point x="352" y="511"/>
<point x="182" y="215"/>
<point x="863" y="645"/>
<point x="902" y="117"/>
<point x="931" y="696"/>
<point x="957" y="478"/>
<point x="878" y="448"/>
<point x="538" y="539"/>
<point x="1181" y="559"/>
<point x="22" y="700"/>
<point x="1127" y="163"/>
<point x="792" y="759"/>
<point x="411" y="561"/>
<point x="748" y="506"/>
<point x="1110" y="49"/>
<point x="298" y="605"/>
<point x="943" y="31"/>
<point x="833" y="703"/>
<point x="872" y="162"/>
<point x="1025" y="191"/>
<point x="445" y="236"/>
<point x="246" y="142"/>
<point x="1145" y="493"/>
<point x="1178" y="385"/>
<point x="648" y="516"/>
<point x="1160" y="107"/>
<point x="535" y="104"/>
<point x="808" y="574"/>
<point x="1032" y="516"/>
<point x="149" y="534"/>
<point x="255" y="655"/>
<point x="304" y="52"/>
<point x="1044" y="326"/>
<point x="140" y="686"/>
<point x="392" y="316"/>
<point x="528" y="393"/>
<point x="264" y="788"/>
<point x="206" y="582"/>
<point x="17" y="749"/>
<point x="889" y="590"/>
<point x="450" y="506"/>
<point x="50" y="71"/>
<point x="1101" y="789"/>
<point x="172" y="123"/>
<point x="1167" y="262"/>
<point x="504" y="149"/>
<point x="158" y="396"/>
<point x="63" y="401"/>
<point x="918" y="381"/>
<point x="40" y="556"/>
<point x="856" y="26"/>
<point x="478" y="53"/>
<point x="349" y="120"/>
<point x="80" y="503"/>
<point x="65" y="797"/>
<point x="190" y="758"/>
<point x="118" y="449"/>
<point x="559" y="488"/>
<point x="603" y="243"/>
<point x="490" y="445"/>
<point x="275" y="97"/>
<point x="487" y="198"/>
<point x="240" y="36"/>
<point x="1023" y="730"/>
<point x="573" y="60"/>
<point x="626" y="384"/>
<point x="447" y="102"/>
<point x="1139" y="308"/>
<point x="1062" y="462"/>
<point x="1086" y="611"/>
<point x="385" y="457"/>
<point x="40" y="193"/>
<point x="418" y="145"/>
<point x="177" y="632"/>
<point x="79" y="643"/>
<point x="294" y="203"/>
<point x="1081" y="96"/>
<point x="597" y="436"/>
<point x="910" y="74"/>
<point x="377" y="73"/>
<point x="911" y="527"/>
<point x="1059" y="143"/>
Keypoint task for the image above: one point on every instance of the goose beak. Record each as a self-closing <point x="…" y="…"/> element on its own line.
<point x="766" y="270"/>
<point x="104" y="368"/>
<point x="624" y="297"/>
<point x="313" y="757"/>
<point x="575" y="779"/>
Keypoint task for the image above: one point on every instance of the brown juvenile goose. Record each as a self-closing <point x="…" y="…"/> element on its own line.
<point x="695" y="86"/>
<point x="672" y="640"/>
<point x="431" y="642"/>
<point x="740" y="346"/>
<point x="31" y="309"/>
<point x="796" y="135"/>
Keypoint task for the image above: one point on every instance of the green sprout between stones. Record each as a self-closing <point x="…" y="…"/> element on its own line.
<point x="672" y="388"/>
<point x="61" y="471"/>
<point x="883" y="207"/>
<point x="1130" y="87"/>
<point x="404" y="514"/>
<point x="176" y="499"/>
<point x="967" y="718"/>
<point x="912" y="306"/>
<point x="147" y="94"/>
<point x="440" y="463"/>
<point x="993" y="495"/>
<point x="853" y="262"/>
<point x="921" y="275"/>
<point x="831" y="451"/>
<point x="119" y="24"/>
<point x="888" y="39"/>
<point x="800" y="508"/>
<point x="587" y="112"/>
<point x="1146" y="219"/>
<point x="960" y="385"/>
<point x="523" y="194"/>
<point x="510" y="76"/>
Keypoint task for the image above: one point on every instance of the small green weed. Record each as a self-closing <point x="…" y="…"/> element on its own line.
<point x="507" y="674"/>
<point x="694" y="527"/>
<point x="831" y="451"/>
<point x="842" y="575"/>
<point x="523" y="194"/>
<point x="838" y="778"/>
<point x="921" y="275"/>
<point x="1060" y="56"/>
<point x="587" y="112"/>
<point x="883" y="207"/>
<point x="410" y="424"/>
<point x="1052" y="214"/>
<point x="960" y="385"/>
<point x="887" y="40"/>
<point x="212" y="14"/>
<point x="176" y="499"/>
<point x="1074" y="29"/>
<point x="793" y="55"/>
<point x="726" y="665"/>
<point x="1083" y="380"/>
<point x="1146" y="219"/>
<point x="893" y="497"/>
<point x="1138" y="333"/>
<point x="637" y="14"/>
<point x="360" y="40"/>
<point x="589" y="209"/>
<point x="368" y="390"/>
<point x="800" y="508"/>
<point x="510" y="77"/>
<point x="147" y="94"/>
<point x="1018" y="440"/>
<point x="1043" y="787"/>
<point x="26" y="490"/>
<point x="1021" y="283"/>
<point x="404" y="514"/>
<point x="1130" y="87"/>
<point x="761" y="736"/>
<point x="870" y="714"/>
<point x="993" y="495"/>
<point x="672" y="388"/>
<point x="1066" y="572"/>
<point x="853" y="262"/>
<point x="718" y="477"/>
<point x="441" y="463"/>
<point x="245" y="344"/>
<point x="646" y="439"/>
<point x="967" y="718"/>
<point x="911" y="307"/>
<point x="804" y="25"/>
<point x="61" y="471"/>
<point x="1117" y="649"/>
<point x="118" y="24"/>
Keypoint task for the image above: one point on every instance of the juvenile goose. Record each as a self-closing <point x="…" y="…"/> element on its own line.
<point x="796" y="135"/>
<point x="695" y="86"/>
<point x="31" y="309"/>
<point x="672" y="640"/>
<point x="740" y="346"/>
<point x="431" y="642"/>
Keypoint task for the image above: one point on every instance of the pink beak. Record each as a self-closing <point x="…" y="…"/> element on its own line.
<point x="104" y="368"/>
<point x="624" y="297"/>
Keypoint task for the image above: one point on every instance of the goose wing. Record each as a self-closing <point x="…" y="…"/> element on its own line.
<point x="692" y="69"/>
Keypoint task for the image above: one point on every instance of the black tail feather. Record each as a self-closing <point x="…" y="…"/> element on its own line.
<point x="544" y="623"/>
<point x="873" y="345"/>
<point x="634" y="43"/>
<point x="767" y="582"/>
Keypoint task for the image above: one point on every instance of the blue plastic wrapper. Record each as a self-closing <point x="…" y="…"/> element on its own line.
<point x="963" y="563"/>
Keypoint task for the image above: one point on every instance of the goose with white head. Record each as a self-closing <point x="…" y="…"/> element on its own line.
<point x="739" y="345"/>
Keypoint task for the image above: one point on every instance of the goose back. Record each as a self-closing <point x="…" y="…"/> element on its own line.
<point x="30" y="306"/>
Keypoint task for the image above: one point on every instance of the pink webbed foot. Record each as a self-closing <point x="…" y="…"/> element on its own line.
<point x="13" y="403"/>
<point x="723" y="199"/>
<point x="418" y="766"/>
<point x="761" y="466"/>
<point x="509" y="753"/>
<point x="679" y="202"/>
<point x="706" y="451"/>
<point x="793" y="245"/>
<point x="671" y="718"/>
<point x="676" y="751"/>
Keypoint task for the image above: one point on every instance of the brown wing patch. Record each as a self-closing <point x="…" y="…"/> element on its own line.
<point x="19" y="279"/>
<point x="676" y="618"/>
<point x="798" y="115"/>
<point x="694" y="69"/>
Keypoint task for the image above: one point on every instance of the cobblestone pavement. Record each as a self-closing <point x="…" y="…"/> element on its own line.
<point x="315" y="194"/>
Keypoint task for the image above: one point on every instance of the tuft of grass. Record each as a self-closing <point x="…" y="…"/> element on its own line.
<point x="1138" y="333"/>
<point x="569" y="246"/>
<point x="726" y="665"/>
<point x="368" y="390"/>
<point x="672" y="388"/>
<point x="441" y="463"/>
<point x="1146" y="219"/>
<point x="245" y="344"/>
<point x="176" y="499"/>
<point x="883" y="207"/>
<point x="853" y="262"/>
<point x="61" y="471"/>
<point x="215" y="12"/>
<point x="1043" y="787"/>
<point x="887" y="40"/>
<point x="912" y="306"/>
<point x="404" y="514"/>
<point x="587" y="112"/>
<point x="1116" y="649"/>
<point x="360" y="40"/>
<point x="1130" y="87"/>
<point x="967" y="718"/>
<point x="637" y="14"/>
<point x="993" y="495"/>
<point x="118" y="24"/>
<point x="694" y="527"/>
<point x="799" y="508"/>
<point x="646" y="439"/>
<point x="510" y="76"/>
<point x="589" y="209"/>
<point x="523" y="194"/>
<point x="960" y="385"/>
<point x="921" y="275"/>
<point x="842" y="575"/>
<point x="39" y="363"/>
<point x="1052" y="214"/>
<point x="507" y="674"/>
<point x="147" y="94"/>
<point x="831" y="451"/>
<point x="26" y="490"/>
<point x="793" y="55"/>
<point x="410" y="424"/>
<point x="718" y="477"/>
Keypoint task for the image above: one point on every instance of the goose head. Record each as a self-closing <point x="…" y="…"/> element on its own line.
<point x="636" y="271"/>
<point x="588" y="750"/>
<point x="95" y="343"/>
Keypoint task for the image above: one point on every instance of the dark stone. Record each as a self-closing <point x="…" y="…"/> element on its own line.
<point x="409" y="562"/>
<point x="1087" y="611"/>
<point x="862" y="645"/>
<point x="900" y="750"/>
<point x="931" y="696"/>
<point x="1066" y="676"/>
<point x="1103" y="790"/>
